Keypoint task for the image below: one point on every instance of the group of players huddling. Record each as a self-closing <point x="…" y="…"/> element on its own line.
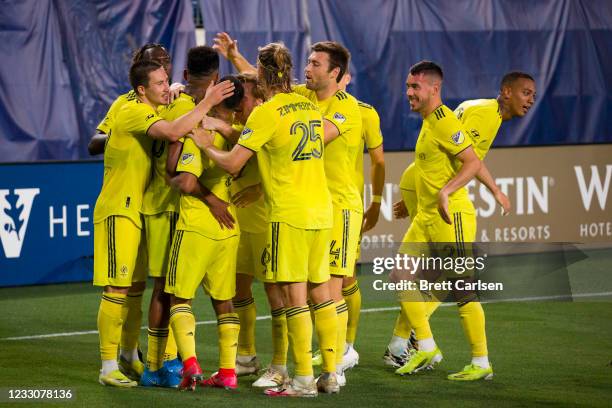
<point x="219" y="181"/>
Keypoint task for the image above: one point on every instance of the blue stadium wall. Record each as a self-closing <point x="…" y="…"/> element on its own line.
<point x="64" y="61"/>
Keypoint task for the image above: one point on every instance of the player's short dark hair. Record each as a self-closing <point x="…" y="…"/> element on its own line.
<point x="428" y="68"/>
<point x="139" y="55"/>
<point x="339" y="56"/>
<point x="233" y="101"/>
<point x="511" y="77"/>
<point x="202" y="61"/>
<point x="139" y="72"/>
<point x="248" y="78"/>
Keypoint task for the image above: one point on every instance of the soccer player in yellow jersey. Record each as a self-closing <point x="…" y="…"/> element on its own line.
<point x="160" y="209"/>
<point x="444" y="162"/>
<point x="129" y="363"/>
<point x="286" y="134"/>
<point x="481" y="119"/>
<point x="204" y="253"/>
<point x="117" y="218"/>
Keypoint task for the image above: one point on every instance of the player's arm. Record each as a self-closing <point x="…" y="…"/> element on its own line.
<point x="188" y="183"/>
<point x="470" y="166"/>
<point x="377" y="177"/>
<point x="485" y="177"/>
<point x="232" y="161"/>
<point x="226" y="130"/>
<point x="247" y="196"/>
<point x="228" y="48"/>
<point x="173" y="131"/>
<point x="97" y="143"/>
<point x="330" y="131"/>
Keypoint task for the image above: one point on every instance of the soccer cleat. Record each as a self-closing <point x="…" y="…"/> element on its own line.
<point x="420" y="360"/>
<point x="249" y="367"/>
<point x="317" y="358"/>
<point x="271" y="378"/>
<point x="472" y="373"/>
<point x="293" y="389"/>
<point x="328" y="383"/>
<point x="150" y="378"/>
<point x="350" y="359"/>
<point x="191" y="375"/>
<point x="116" y="379"/>
<point x="395" y="360"/>
<point x="160" y="378"/>
<point x="413" y="343"/>
<point x="174" y="366"/>
<point x="131" y="369"/>
<point x="341" y="377"/>
<point x="229" y="382"/>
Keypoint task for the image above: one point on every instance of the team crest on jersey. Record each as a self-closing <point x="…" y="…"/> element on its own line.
<point x="458" y="138"/>
<point x="187" y="158"/>
<point x="246" y="133"/>
<point x="339" y="117"/>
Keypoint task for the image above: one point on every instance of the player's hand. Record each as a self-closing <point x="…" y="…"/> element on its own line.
<point x="175" y="90"/>
<point x="218" y="209"/>
<point x="247" y="196"/>
<point x="215" y="94"/>
<point x="399" y="210"/>
<point x="225" y="45"/>
<point x="370" y="217"/>
<point x="211" y="123"/>
<point x="202" y="138"/>
<point x="443" y="207"/>
<point x="504" y="201"/>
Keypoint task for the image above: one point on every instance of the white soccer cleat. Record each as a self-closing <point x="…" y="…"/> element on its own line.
<point x="350" y="359"/>
<point x="247" y="367"/>
<point x="271" y="378"/>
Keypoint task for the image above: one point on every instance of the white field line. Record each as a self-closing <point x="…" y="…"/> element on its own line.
<point x="372" y="310"/>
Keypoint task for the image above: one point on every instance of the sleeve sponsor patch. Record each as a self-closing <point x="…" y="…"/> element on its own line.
<point x="246" y="133"/>
<point x="339" y="117"/>
<point x="150" y="116"/>
<point x="187" y="158"/>
<point x="458" y="138"/>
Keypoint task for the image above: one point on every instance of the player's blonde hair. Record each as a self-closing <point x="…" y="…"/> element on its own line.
<point x="275" y="65"/>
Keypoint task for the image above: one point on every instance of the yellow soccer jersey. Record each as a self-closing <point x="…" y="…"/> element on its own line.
<point x="194" y="215"/>
<point x="286" y="132"/>
<point x="441" y="138"/>
<point x="253" y="218"/>
<point x="371" y="137"/>
<point x="127" y="163"/>
<point x="481" y="119"/>
<point x="160" y="197"/>
<point x="341" y="154"/>
<point x="108" y="121"/>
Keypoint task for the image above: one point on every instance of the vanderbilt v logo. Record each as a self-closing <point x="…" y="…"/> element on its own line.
<point x="14" y="215"/>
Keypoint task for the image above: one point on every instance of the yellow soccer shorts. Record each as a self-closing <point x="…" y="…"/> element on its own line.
<point x="197" y="260"/>
<point x="251" y="259"/>
<point x="159" y="229"/>
<point x="448" y="240"/>
<point x="409" y="198"/>
<point x="120" y="255"/>
<point x="296" y="254"/>
<point x="344" y="242"/>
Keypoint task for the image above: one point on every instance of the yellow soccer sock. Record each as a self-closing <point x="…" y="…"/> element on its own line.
<point x="352" y="296"/>
<point x="473" y="322"/>
<point x="402" y="325"/>
<point x="415" y="312"/>
<point x="131" y="326"/>
<point x="326" y="325"/>
<point x="111" y="315"/>
<point x="228" y="327"/>
<point x="299" y="330"/>
<point x="280" y="344"/>
<point x="247" y="314"/>
<point x="157" y="339"/>
<point x="342" y="315"/>
<point x="182" y="322"/>
<point x="431" y="306"/>
<point x="171" y="350"/>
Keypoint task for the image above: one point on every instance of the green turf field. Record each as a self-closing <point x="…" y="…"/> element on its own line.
<point x="552" y="353"/>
